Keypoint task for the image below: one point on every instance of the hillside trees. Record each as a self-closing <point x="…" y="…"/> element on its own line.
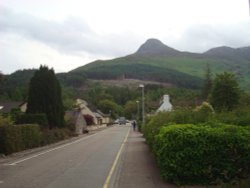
<point x="45" y="96"/>
<point x="225" y="94"/>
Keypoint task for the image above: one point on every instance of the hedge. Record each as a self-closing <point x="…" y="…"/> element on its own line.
<point x="40" y="119"/>
<point x="15" y="138"/>
<point x="55" y="135"/>
<point x="195" y="154"/>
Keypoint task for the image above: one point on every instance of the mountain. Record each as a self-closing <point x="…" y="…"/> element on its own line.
<point x="154" y="47"/>
<point x="153" y="61"/>
<point x="158" y="62"/>
<point x="229" y="53"/>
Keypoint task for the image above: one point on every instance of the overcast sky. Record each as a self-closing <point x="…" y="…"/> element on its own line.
<point x="65" y="34"/>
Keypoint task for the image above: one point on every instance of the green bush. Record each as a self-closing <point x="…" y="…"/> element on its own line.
<point x="39" y="119"/>
<point x="239" y="116"/>
<point x="15" y="138"/>
<point x="194" y="154"/>
<point x="5" y="121"/>
<point x="181" y="116"/>
<point x="55" y="135"/>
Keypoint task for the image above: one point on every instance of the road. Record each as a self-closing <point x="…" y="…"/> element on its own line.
<point x="85" y="162"/>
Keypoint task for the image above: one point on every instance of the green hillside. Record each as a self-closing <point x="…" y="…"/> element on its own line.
<point x="168" y="65"/>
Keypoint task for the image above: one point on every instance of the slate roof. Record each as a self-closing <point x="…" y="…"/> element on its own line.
<point x="7" y="106"/>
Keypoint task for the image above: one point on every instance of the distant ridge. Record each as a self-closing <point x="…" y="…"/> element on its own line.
<point x="228" y="52"/>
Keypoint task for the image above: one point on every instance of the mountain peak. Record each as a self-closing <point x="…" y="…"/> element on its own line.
<point x="156" y="47"/>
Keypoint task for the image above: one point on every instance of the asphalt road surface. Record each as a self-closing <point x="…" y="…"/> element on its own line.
<point x="86" y="163"/>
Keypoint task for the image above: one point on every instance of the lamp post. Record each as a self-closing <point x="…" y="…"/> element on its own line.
<point x="138" y="115"/>
<point x="142" y="90"/>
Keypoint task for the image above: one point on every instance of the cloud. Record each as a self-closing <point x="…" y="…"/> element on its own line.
<point x="72" y="36"/>
<point x="201" y="37"/>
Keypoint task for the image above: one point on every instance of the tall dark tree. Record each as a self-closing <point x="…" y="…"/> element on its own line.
<point x="208" y="83"/>
<point x="45" y="96"/>
<point x="225" y="94"/>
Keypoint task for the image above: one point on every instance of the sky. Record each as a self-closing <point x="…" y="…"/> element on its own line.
<point x="66" y="34"/>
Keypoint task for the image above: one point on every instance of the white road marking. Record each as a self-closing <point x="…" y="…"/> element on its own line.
<point x="1" y="181"/>
<point x="59" y="147"/>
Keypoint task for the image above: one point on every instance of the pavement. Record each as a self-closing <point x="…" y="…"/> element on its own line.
<point x="137" y="167"/>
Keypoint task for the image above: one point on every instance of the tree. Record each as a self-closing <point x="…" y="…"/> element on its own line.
<point x="225" y="94"/>
<point x="108" y="106"/>
<point x="45" y="96"/>
<point x="130" y="110"/>
<point x="207" y="83"/>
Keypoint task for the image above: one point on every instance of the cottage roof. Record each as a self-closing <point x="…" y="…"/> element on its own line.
<point x="97" y="115"/>
<point x="7" y="106"/>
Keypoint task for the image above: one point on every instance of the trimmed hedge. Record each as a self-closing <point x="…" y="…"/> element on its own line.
<point x="55" y="135"/>
<point x="193" y="154"/>
<point x="40" y="119"/>
<point x="15" y="138"/>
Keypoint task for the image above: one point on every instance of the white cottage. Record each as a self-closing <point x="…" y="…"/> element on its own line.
<point x="165" y="105"/>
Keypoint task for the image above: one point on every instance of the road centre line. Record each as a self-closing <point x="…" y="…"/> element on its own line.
<point x="106" y="184"/>
<point x="50" y="150"/>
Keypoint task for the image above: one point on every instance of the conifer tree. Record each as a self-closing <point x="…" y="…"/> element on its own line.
<point x="225" y="94"/>
<point x="45" y="96"/>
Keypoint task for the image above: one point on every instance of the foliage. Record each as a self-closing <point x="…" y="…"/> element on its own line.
<point x="208" y="83"/>
<point x="55" y="135"/>
<point x="130" y="110"/>
<point x="239" y="116"/>
<point x="15" y="138"/>
<point x="45" y="97"/>
<point x="40" y="119"/>
<point x="144" y="72"/>
<point x="205" y="108"/>
<point x="5" y="121"/>
<point x="107" y="106"/>
<point x="193" y="154"/>
<point x="72" y="79"/>
<point x="225" y="94"/>
<point x="15" y="86"/>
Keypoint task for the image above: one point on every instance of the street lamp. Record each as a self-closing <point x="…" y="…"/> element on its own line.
<point x="142" y="90"/>
<point x="138" y="115"/>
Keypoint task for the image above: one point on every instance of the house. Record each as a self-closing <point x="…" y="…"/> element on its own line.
<point x="8" y="106"/>
<point x="76" y="121"/>
<point x="105" y="117"/>
<point x="165" y="104"/>
<point x="89" y="116"/>
<point x="99" y="118"/>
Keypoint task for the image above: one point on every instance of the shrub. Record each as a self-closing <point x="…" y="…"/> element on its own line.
<point x="18" y="137"/>
<point x="55" y="135"/>
<point x="181" y="116"/>
<point x="39" y="119"/>
<point x="193" y="154"/>
<point x="5" y="121"/>
<point x="239" y="116"/>
<point x="205" y="107"/>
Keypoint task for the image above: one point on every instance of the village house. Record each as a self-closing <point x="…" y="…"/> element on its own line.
<point x="98" y="117"/>
<point x="165" y="104"/>
<point x="7" y="106"/>
<point x="76" y="121"/>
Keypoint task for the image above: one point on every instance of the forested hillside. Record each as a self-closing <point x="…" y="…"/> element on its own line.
<point x="183" y="69"/>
